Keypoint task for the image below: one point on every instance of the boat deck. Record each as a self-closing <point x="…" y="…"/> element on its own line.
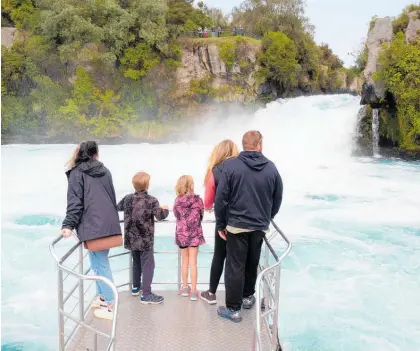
<point x="176" y="324"/>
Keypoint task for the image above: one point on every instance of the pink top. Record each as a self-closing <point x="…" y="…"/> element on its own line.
<point x="209" y="192"/>
<point x="189" y="211"/>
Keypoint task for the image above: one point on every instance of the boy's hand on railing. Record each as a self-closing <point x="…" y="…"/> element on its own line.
<point x="66" y="233"/>
<point x="164" y="207"/>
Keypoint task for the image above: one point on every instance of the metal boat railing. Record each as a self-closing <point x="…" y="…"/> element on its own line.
<point x="82" y="275"/>
<point x="268" y="285"/>
<point x="268" y="278"/>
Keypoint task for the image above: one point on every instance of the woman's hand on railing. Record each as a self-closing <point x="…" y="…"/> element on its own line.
<point x="66" y="233"/>
<point x="222" y="234"/>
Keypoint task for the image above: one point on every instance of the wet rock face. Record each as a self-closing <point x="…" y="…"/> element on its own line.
<point x="369" y="96"/>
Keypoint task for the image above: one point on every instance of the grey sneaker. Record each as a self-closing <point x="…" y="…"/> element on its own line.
<point x="151" y="299"/>
<point x="234" y="316"/>
<point x="209" y="298"/>
<point x="248" y="302"/>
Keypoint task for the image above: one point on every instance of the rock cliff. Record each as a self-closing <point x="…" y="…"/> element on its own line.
<point x="373" y="92"/>
<point x="413" y="27"/>
<point x="7" y="36"/>
<point x="228" y="69"/>
<point x="203" y="61"/>
<point x="397" y="131"/>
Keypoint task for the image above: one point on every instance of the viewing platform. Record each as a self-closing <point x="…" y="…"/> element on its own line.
<point x="177" y="323"/>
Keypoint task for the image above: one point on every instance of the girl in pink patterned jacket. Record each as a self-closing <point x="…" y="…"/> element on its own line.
<point x="188" y="210"/>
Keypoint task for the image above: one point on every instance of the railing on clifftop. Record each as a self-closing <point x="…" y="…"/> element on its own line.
<point x="219" y="34"/>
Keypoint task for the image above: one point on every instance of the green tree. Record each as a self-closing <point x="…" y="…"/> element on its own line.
<point x="400" y="62"/>
<point x="16" y="116"/>
<point x="151" y="20"/>
<point x="328" y="58"/>
<point x="138" y="61"/>
<point x="278" y="60"/>
<point x="260" y="17"/>
<point x="307" y="53"/>
<point x="20" y="13"/>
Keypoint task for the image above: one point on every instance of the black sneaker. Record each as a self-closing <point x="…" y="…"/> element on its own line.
<point x="248" y="302"/>
<point x="137" y="291"/>
<point x="209" y="298"/>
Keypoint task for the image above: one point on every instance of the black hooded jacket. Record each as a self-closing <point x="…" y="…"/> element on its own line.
<point x="217" y="173"/>
<point x="91" y="202"/>
<point x="249" y="192"/>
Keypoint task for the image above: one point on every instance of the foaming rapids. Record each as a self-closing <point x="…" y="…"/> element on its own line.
<point x="351" y="281"/>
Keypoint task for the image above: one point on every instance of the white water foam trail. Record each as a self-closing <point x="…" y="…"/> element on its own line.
<point x="375" y="132"/>
<point x="351" y="282"/>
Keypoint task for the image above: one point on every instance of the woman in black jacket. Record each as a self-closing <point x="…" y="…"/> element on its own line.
<point x="92" y="212"/>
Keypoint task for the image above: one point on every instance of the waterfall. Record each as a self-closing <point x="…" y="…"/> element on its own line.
<point x="360" y="116"/>
<point x="375" y="132"/>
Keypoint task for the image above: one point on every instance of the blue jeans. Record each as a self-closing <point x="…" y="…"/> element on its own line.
<point x="100" y="265"/>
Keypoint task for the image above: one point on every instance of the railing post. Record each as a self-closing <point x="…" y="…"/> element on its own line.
<point x="60" y="309"/>
<point x="130" y="271"/>
<point x="275" y="330"/>
<point x="81" y="286"/>
<point x="266" y="295"/>
<point x="179" y="269"/>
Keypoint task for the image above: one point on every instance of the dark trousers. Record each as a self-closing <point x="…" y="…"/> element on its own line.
<point x="218" y="262"/>
<point x="143" y="262"/>
<point x="243" y="253"/>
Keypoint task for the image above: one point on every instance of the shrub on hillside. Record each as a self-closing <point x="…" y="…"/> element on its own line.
<point x="279" y="60"/>
<point x="400" y="62"/>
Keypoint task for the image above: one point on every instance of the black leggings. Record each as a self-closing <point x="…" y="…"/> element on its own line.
<point x="218" y="262"/>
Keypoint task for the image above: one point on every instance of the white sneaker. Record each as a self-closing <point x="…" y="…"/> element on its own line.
<point x="98" y="303"/>
<point x="103" y="313"/>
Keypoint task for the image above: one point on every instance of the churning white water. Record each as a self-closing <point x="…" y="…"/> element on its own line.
<point x="352" y="279"/>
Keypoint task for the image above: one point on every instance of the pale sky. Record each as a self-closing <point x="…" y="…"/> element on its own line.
<point x="343" y="24"/>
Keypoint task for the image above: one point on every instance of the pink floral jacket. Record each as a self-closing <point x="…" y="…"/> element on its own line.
<point x="189" y="211"/>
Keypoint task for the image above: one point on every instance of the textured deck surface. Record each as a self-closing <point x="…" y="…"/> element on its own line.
<point x="177" y="324"/>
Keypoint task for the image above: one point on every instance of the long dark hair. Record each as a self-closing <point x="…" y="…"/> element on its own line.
<point x="83" y="153"/>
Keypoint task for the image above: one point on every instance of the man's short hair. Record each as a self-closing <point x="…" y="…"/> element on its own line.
<point x="251" y="140"/>
<point x="141" y="181"/>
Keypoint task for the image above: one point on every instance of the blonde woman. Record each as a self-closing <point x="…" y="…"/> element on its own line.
<point x="188" y="210"/>
<point x="223" y="151"/>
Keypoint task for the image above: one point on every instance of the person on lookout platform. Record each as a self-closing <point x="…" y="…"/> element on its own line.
<point x="248" y="196"/>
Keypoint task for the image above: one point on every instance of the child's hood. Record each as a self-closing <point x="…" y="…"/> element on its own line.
<point x="189" y="201"/>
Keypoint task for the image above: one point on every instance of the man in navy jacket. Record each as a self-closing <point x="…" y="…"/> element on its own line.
<point x="248" y="196"/>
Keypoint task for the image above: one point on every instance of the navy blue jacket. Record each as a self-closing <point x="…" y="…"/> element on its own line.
<point x="91" y="202"/>
<point x="249" y="192"/>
